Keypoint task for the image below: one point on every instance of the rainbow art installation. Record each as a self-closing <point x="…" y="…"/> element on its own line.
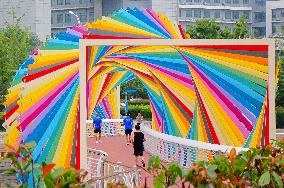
<point x="215" y="93"/>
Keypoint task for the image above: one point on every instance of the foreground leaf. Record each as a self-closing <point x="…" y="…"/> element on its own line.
<point x="160" y="180"/>
<point x="211" y="171"/>
<point x="277" y="179"/>
<point x="264" y="179"/>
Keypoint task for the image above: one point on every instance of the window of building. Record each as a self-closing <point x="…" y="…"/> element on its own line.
<point x="217" y="14"/>
<point x="282" y="12"/>
<point x="91" y="15"/>
<point x="228" y="15"/>
<point x="67" y="18"/>
<point x="197" y="13"/>
<point x="80" y="1"/>
<point x="236" y="15"/>
<point x="83" y="17"/>
<point x="197" y="1"/>
<point x="246" y="14"/>
<point x="206" y="14"/>
<point x="189" y="1"/>
<point x="228" y="1"/>
<point x="59" y="18"/>
<point x="67" y="2"/>
<point x="260" y="2"/>
<point x="91" y="1"/>
<point x="216" y="1"/>
<point x="59" y="2"/>
<point x="188" y="13"/>
<point x="51" y="19"/>
<point x="246" y="2"/>
<point x="282" y="28"/>
<point x="207" y="1"/>
<point x="273" y="29"/>
<point x="259" y="16"/>
<point x="273" y="13"/>
<point x="236" y="1"/>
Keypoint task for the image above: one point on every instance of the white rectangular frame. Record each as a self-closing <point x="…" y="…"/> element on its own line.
<point x="169" y="42"/>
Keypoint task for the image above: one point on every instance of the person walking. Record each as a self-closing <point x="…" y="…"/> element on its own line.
<point x="128" y="128"/>
<point x="97" y="128"/>
<point x="139" y="119"/>
<point x="138" y="140"/>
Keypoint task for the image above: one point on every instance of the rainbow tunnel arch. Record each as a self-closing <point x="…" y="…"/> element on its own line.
<point x="201" y="92"/>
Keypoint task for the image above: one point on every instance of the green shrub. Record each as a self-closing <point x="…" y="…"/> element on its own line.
<point x="138" y="102"/>
<point x="280" y="119"/>
<point x="257" y="167"/>
<point x="145" y="111"/>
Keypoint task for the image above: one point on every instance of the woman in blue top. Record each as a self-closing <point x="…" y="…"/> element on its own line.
<point x="128" y="128"/>
<point x="97" y="128"/>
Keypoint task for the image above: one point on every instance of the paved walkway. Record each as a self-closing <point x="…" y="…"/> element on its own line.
<point x="118" y="151"/>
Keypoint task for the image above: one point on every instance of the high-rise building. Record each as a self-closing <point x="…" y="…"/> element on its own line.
<point x="87" y="10"/>
<point x="61" y="19"/>
<point x="225" y="12"/>
<point x="109" y="6"/>
<point x="275" y="18"/>
<point x="35" y="15"/>
<point x="258" y="17"/>
<point x="48" y="17"/>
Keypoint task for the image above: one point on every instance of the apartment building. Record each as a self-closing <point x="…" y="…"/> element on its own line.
<point x="87" y="10"/>
<point x="275" y="18"/>
<point x="35" y="15"/>
<point x="225" y="12"/>
<point x="61" y="19"/>
<point x="48" y="17"/>
<point x="258" y="17"/>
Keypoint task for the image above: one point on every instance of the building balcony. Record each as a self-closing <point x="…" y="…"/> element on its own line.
<point x="227" y="21"/>
<point x="216" y="7"/>
<point x="71" y="8"/>
<point x="278" y="20"/>
<point x="61" y="25"/>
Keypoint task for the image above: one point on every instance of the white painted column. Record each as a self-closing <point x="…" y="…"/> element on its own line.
<point x="83" y="104"/>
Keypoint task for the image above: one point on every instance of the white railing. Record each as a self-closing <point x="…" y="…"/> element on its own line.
<point x="110" y="127"/>
<point x="130" y="178"/>
<point x="183" y="151"/>
<point x="280" y="133"/>
<point x="102" y="172"/>
<point x="95" y="162"/>
<point x="170" y="148"/>
<point x="2" y="143"/>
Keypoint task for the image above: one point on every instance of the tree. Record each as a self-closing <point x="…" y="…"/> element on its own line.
<point x="204" y="29"/>
<point x="226" y="33"/>
<point x="241" y="29"/>
<point x="210" y="29"/>
<point x="138" y="86"/>
<point x="16" y="44"/>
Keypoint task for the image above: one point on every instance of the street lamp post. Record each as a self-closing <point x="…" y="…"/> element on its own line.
<point x="126" y="103"/>
<point x="78" y="19"/>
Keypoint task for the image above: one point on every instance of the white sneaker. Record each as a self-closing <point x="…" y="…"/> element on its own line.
<point x="97" y="142"/>
<point x="127" y="143"/>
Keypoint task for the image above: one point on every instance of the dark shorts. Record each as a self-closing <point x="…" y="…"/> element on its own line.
<point x="98" y="131"/>
<point x="138" y="152"/>
<point x="128" y="131"/>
